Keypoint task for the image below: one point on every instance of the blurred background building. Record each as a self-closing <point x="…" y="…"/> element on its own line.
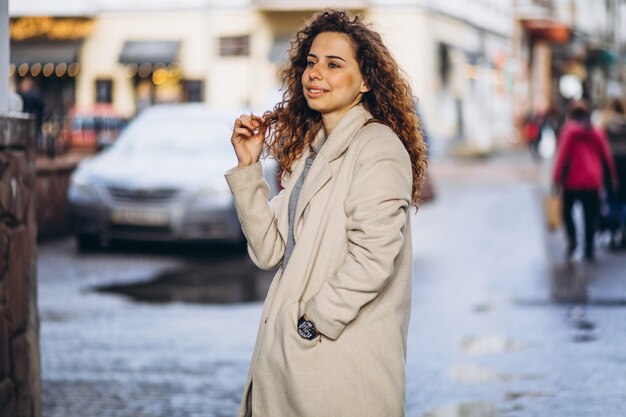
<point x="477" y="66"/>
<point x="563" y="40"/>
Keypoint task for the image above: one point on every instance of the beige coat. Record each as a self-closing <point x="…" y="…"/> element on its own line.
<point x="350" y="272"/>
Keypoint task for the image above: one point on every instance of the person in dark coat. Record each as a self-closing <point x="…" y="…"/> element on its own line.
<point x="33" y="104"/>
<point x="615" y="128"/>
<point x="582" y="155"/>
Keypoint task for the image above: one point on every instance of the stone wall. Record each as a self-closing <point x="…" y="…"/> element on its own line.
<point x="20" y="376"/>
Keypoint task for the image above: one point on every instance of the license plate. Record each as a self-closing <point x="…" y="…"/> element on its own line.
<point x="140" y="217"/>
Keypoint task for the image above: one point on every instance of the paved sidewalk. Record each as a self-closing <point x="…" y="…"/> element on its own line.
<point x="495" y="341"/>
<point x="485" y="338"/>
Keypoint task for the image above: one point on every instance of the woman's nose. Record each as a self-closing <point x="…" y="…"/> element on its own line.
<point x="314" y="73"/>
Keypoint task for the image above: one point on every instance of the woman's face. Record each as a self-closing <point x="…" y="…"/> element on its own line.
<point x="332" y="80"/>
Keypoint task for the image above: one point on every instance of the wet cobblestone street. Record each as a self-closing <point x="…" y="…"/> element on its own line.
<point x="485" y="339"/>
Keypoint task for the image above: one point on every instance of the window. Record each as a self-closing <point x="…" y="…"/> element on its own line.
<point x="235" y="45"/>
<point x="104" y="91"/>
<point x="279" y="53"/>
<point x="444" y="63"/>
<point x="193" y="91"/>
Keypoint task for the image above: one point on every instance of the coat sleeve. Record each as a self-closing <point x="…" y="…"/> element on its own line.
<point x="607" y="155"/>
<point x="562" y="156"/>
<point x="256" y="215"/>
<point x="377" y="210"/>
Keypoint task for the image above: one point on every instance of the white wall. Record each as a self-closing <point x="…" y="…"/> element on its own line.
<point x="591" y="17"/>
<point x="404" y="31"/>
<point x="492" y="15"/>
<point x="413" y="34"/>
<point x="93" y="7"/>
<point x="52" y="8"/>
<point x="234" y="81"/>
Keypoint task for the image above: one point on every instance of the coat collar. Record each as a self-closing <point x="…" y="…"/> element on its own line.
<point x="341" y="136"/>
<point x="334" y="146"/>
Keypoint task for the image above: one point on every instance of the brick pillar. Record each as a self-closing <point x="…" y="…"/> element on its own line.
<point x="20" y="375"/>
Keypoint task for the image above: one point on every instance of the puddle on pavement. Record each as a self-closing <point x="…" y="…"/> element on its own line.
<point x="464" y="410"/>
<point x="582" y="325"/>
<point x="485" y="307"/>
<point x="54" y="316"/>
<point x="490" y="305"/>
<point x="474" y="374"/>
<point x="513" y="396"/>
<point x="227" y="281"/>
<point x="583" y="338"/>
<point x="482" y="345"/>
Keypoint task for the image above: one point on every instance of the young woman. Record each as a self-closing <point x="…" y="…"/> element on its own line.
<point x="332" y="338"/>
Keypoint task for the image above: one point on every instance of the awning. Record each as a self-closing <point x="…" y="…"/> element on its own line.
<point x="43" y="53"/>
<point x="149" y="52"/>
<point x="548" y="29"/>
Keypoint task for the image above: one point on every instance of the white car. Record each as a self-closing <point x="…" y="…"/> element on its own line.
<point x="162" y="180"/>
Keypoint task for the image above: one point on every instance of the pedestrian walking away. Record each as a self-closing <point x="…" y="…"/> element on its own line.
<point x="583" y="156"/>
<point x="332" y="336"/>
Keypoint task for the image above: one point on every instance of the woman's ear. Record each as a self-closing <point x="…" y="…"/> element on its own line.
<point x="364" y="87"/>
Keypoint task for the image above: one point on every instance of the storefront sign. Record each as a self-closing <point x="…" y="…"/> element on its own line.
<point x="50" y="28"/>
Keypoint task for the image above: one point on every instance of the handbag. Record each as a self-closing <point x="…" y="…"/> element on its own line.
<point x="553" y="207"/>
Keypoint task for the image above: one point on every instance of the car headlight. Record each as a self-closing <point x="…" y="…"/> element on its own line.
<point x="213" y="196"/>
<point x="81" y="187"/>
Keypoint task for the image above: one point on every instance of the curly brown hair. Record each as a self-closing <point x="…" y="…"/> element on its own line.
<point x="293" y="125"/>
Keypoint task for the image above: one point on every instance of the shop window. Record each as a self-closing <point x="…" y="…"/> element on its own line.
<point x="235" y="45"/>
<point x="193" y="91"/>
<point x="104" y="91"/>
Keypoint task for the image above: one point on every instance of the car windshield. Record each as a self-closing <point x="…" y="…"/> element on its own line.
<point x="182" y="136"/>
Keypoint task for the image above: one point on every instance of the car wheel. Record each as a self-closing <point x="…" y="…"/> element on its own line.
<point x="86" y="242"/>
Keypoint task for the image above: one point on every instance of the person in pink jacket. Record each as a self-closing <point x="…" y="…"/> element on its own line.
<point x="583" y="157"/>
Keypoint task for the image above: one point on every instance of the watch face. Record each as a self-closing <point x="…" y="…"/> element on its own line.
<point x="306" y="329"/>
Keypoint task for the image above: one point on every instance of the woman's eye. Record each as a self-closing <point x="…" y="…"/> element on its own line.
<point x="333" y="65"/>
<point x="310" y="64"/>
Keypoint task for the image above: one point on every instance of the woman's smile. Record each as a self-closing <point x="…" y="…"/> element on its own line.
<point x="314" y="92"/>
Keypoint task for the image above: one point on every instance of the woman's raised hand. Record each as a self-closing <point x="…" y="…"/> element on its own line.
<point x="247" y="139"/>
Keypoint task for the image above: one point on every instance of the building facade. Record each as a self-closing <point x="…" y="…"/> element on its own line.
<point x="130" y="55"/>
<point x="578" y="41"/>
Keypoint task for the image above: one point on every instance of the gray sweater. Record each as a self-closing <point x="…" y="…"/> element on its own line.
<point x="293" y="203"/>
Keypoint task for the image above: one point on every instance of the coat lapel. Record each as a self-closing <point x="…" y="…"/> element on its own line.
<point x="319" y="174"/>
<point x="282" y="210"/>
<point x="334" y="146"/>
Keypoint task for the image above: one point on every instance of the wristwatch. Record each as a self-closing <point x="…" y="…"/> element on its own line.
<point x="306" y="328"/>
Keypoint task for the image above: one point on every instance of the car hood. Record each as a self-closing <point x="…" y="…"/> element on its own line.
<point x="190" y="172"/>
